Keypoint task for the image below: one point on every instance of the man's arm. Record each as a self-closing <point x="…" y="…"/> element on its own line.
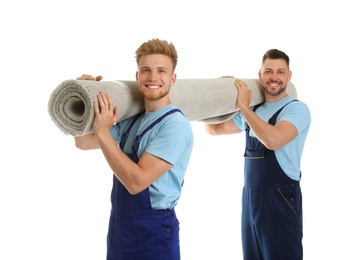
<point x="273" y="137"/>
<point x="87" y="142"/>
<point x="228" y="127"/>
<point x="135" y="177"/>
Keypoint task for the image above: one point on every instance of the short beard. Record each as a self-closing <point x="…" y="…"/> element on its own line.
<point x="274" y="94"/>
<point x="151" y="97"/>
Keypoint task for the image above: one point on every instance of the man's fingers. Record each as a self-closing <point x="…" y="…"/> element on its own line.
<point x="85" y="77"/>
<point x="105" y="101"/>
<point x="96" y="107"/>
<point x="101" y="99"/>
<point x="89" y="77"/>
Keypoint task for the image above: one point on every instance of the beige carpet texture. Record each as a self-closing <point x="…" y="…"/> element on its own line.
<point x="70" y="104"/>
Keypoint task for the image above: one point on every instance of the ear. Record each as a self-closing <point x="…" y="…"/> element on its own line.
<point x="260" y="75"/>
<point x="136" y="75"/>
<point x="173" y="79"/>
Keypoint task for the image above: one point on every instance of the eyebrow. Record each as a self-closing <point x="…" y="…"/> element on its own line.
<point x="160" y="67"/>
<point x="277" y="69"/>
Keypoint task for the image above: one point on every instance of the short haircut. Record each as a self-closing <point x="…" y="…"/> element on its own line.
<point x="275" y="54"/>
<point x="157" y="46"/>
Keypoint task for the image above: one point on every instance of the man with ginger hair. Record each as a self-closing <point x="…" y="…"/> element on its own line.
<point x="149" y="154"/>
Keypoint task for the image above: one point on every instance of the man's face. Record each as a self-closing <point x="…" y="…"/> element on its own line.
<point x="155" y="76"/>
<point x="274" y="76"/>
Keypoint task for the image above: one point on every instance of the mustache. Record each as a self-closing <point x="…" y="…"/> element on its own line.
<point x="274" y="81"/>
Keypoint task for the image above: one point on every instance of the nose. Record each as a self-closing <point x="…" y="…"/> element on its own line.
<point x="274" y="76"/>
<point x="152" y="77"/>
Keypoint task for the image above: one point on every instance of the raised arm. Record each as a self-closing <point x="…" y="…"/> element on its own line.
<point x="273" y="137"/>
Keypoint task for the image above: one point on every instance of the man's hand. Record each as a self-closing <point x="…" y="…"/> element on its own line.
<point x="244" y="94"/>
<point x="105" y="113"/>
<point x="89" y="77"/>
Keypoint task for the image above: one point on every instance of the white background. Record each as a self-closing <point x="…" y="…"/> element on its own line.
<point x="55" y="198"/>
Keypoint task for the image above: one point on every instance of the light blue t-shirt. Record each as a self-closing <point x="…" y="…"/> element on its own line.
<point x="297" y="112"/>
<point x="171" y="140"/>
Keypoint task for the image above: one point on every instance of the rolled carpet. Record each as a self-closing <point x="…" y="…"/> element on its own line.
<point x="70" y="105"/>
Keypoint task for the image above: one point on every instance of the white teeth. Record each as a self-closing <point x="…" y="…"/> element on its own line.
<point x="153" y="87"/>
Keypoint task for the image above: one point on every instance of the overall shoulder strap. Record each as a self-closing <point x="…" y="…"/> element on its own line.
<point x="125" y="135"/>
<point x="247" y="127"/>
<point x="273" y="119"/>
<point x="139" y="137"/>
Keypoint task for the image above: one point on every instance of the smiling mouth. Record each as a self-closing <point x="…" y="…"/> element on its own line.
<point x="274" y="84"/>
<point x="153" y="86"/>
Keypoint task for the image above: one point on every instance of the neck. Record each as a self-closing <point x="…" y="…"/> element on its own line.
<point x="270" y="99"/>
<point x="153" y="105"/>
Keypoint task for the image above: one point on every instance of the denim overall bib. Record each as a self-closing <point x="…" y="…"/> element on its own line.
<point x="136" y="231"/>
<point x="272" y="205"/>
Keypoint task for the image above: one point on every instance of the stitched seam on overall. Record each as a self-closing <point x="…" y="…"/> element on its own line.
<point x="286" y="200"/>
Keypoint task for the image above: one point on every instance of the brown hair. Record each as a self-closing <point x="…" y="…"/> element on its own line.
<point x="156" y="46"/>
<point x="275" y="54"/>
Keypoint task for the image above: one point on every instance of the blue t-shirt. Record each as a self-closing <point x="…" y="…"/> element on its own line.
<point x="297" y="113"/>
<point x="171" y="140"/>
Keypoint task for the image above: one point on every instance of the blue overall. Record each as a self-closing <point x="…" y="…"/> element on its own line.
<point x="272" y="205"/>
<point x="136" y="231"/>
